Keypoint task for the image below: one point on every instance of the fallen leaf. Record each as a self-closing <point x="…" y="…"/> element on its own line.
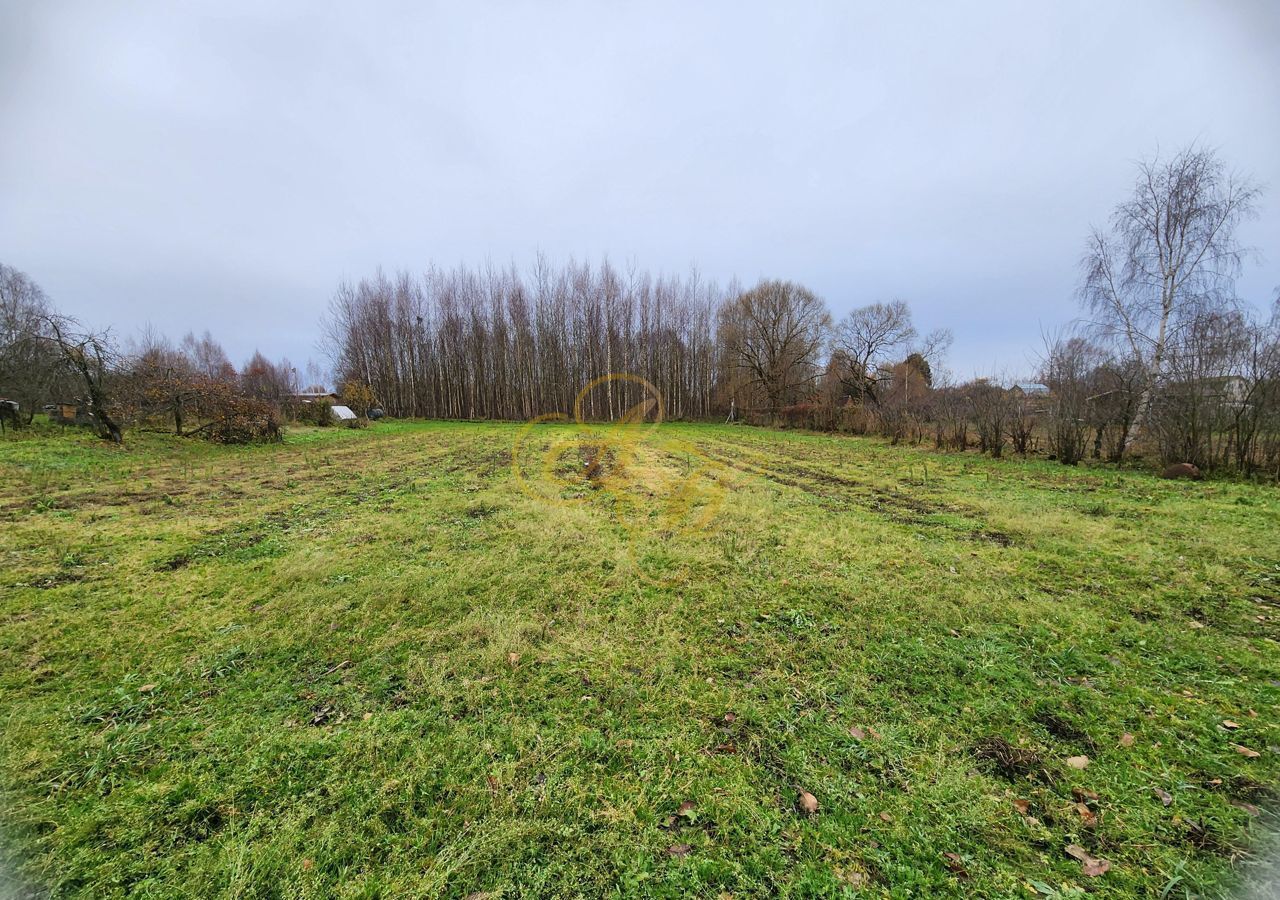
<point x="367" y="716"/>
<point x="874" y="734"/>
<point x="1246" y="752"/>
<point x="147" y="688"/>
<point x="726" y="748"/>
<point x="1088" y="817"/>
<point x="885" y="817"/>
<point x="1021" y="806"/>
<point x="855" y="879"/>
<point x="955" y="864"/>
<point x="678" y="850"/>
<point x="307" y="864"/>
<point x="1247" y="807"/>
<point x="1078" y="762"/>
<point x="1229" y="725"/>
<point x="1164" y="796"/>
<point x="730" y="717"/>
<point x="1126" y="740"/>
<point x="857" y="733"/>
<point x="1095" y="867"/>
<point x="1084" y="795"/>
<point x="808" y="803"/>
<point x="1091" y="867"/>
<point x="686" y="809"/>
<point x="513" y="658"/>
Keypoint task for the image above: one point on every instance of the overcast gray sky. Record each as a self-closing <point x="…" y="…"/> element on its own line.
<point x="224" y="165"/>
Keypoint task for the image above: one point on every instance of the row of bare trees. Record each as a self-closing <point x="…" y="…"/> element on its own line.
<point x="502" y="344"/>
<point x="1216" y="403"/>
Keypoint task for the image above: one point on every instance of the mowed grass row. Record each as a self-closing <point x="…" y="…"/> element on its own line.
<point x="383" y="664"/>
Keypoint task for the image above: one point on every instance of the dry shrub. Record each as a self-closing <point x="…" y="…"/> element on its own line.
<point x="235" y="419"/>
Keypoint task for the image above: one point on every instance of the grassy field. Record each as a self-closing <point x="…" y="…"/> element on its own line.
<point x="383" y="663"/>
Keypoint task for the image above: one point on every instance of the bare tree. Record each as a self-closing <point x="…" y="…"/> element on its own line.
<point x="1115" y="387"/>
<point x="264" y="380"/>
<point x="1170" y="254"/>
<point x="932" y="348"/>
<point x="160" y="380"/>
<point x="28" y="362"/>
<point x="869" y="337"/>
<point x="90" y="356"/>
<point x="949" y="410"/>
<point x="777" y="333"/>
<point x="207" y="358"/>
<point x="992" y="408"/>
<point x="1067" y="369"/>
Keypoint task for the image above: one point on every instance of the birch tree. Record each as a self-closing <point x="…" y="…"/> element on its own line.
<point x="1169" y="255"/>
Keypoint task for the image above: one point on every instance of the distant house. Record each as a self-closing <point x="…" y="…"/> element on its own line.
<point x="1031" y="389"/>
<point x="1230" y="388"/>
<point x="312" y="396"/>
<point x="342" y="413"/>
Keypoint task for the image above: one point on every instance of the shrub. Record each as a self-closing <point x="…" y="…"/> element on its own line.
<point x="235" y="419"/>
<point x="358" y="397"/>
<point x="317" y="412"/>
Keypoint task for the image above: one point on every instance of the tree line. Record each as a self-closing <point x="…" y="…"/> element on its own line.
<point x="504" y="344"/>
<point x="1165" y="357"/>
<point x="49" y="360"/>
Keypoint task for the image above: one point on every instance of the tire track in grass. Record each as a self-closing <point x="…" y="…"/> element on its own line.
<point x="837" y="491"/>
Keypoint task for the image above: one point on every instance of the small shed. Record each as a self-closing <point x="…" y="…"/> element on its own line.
<point x="342" y="413"/>
<point x="68" y="414"/>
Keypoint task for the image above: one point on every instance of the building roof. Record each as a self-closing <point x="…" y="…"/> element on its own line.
<point x="1032" y="387"/>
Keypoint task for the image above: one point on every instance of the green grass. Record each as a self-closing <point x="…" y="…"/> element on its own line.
<point x="378" y="664"/>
